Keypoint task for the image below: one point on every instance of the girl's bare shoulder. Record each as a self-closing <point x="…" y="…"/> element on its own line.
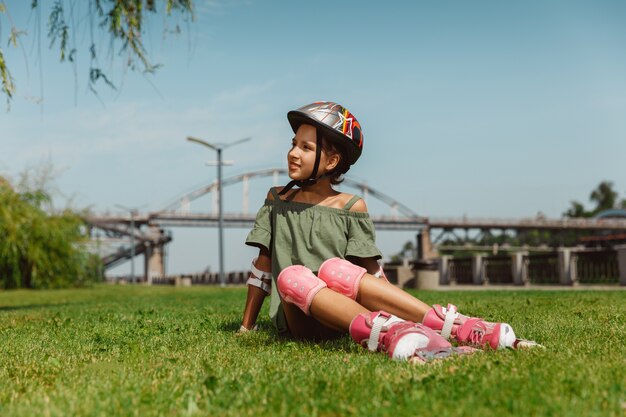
<point x="358" y="206"/>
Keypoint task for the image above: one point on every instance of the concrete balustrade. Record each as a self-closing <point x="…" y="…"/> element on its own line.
<point x="564" y="264"/>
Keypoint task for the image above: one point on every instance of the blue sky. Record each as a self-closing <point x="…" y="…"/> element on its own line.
<point x="484" y="109"/>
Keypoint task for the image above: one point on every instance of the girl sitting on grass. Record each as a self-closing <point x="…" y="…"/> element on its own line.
<point x="319" y="263"/>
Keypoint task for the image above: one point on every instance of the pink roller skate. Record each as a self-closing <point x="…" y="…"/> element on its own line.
<point x="400" y="339"/>
<point x="471" y="330"/>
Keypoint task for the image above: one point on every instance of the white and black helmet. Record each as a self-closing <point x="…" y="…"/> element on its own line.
<point x="334" y="123"/>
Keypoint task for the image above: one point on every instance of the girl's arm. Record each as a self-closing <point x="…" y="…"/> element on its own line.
<point x="256" y="295"/>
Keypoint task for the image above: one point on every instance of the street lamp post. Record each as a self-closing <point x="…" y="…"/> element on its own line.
<point x="219" y="147"/>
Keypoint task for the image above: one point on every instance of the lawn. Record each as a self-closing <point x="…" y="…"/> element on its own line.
<point x="164" y="351"/>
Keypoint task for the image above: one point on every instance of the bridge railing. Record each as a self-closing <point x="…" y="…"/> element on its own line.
<point x="498" y="269"/>
<point x="202" y="278"/>
<point x="594" y="267"/>
<point x="542" y="268"/>
<point x="460" y="270"/>
<point x="566" y="266"/>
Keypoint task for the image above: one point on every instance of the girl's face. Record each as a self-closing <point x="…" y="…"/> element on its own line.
<point x="301" y="156"/>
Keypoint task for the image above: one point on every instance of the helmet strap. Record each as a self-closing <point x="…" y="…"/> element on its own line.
<point x="313" y="178"/>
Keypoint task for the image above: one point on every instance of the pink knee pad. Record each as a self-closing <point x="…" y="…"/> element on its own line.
<point x="298" y="285"/>
<point x="342" y="276"/>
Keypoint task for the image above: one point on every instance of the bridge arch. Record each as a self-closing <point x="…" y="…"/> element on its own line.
<point x="183" y="203"/>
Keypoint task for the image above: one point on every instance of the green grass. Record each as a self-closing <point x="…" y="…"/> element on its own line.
<point x="138" y="351"/>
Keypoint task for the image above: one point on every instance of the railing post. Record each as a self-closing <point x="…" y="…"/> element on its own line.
<point x="573" y="267"/>
<point x="478" y="270"/>
<point x="444" y="277"/>
<point x="525" y="275"/>
<point x="565" y="266"/>
<point x="517" y="268"/>
<point x="621" y="263"/>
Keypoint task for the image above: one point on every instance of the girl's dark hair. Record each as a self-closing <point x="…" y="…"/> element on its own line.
<point x="336" y="176"/>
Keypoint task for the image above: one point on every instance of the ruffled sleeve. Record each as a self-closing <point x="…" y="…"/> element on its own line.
<point x="261" y="234"/>
<point x="362" y="239"/>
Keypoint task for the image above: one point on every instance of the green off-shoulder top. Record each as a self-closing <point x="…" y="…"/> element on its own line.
<point x="305" y="234"/>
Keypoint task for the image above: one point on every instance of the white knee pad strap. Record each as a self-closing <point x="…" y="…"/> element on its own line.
<point x="260" y="279"/>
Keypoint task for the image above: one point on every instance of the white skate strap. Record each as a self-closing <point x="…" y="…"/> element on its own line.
<point x="448" y="322"/>
<point x="260" y="278"/>
<point x="377" y="326"/>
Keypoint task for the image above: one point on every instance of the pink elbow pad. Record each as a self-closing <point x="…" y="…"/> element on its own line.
<point x="342" y="276"/>
<point x="298" y="285"/>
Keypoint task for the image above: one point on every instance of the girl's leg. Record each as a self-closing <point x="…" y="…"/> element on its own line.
<point x="377" y="294"/>
<point x="335" y="310"/>
<point x="313" y="312"/>
<point x="380" y="295"/>
<point x="372" y="293"/>
<point x="311" y="309"/>
<point x="331" y="314"/>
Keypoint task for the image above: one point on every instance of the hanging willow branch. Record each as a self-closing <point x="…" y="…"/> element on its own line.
<point x="122" y="20"/>
<point x="8" y="87"/>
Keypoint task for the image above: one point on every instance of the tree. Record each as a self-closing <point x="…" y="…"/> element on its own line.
<point x="122" y="20"/>
<point x="604" y="196"/>
<point x="41" y="248"/>
<point x="577" y="210"/>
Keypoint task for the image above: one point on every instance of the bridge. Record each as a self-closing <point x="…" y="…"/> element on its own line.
<point x="150" y="235"/>
<point x="176" y="219"/>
